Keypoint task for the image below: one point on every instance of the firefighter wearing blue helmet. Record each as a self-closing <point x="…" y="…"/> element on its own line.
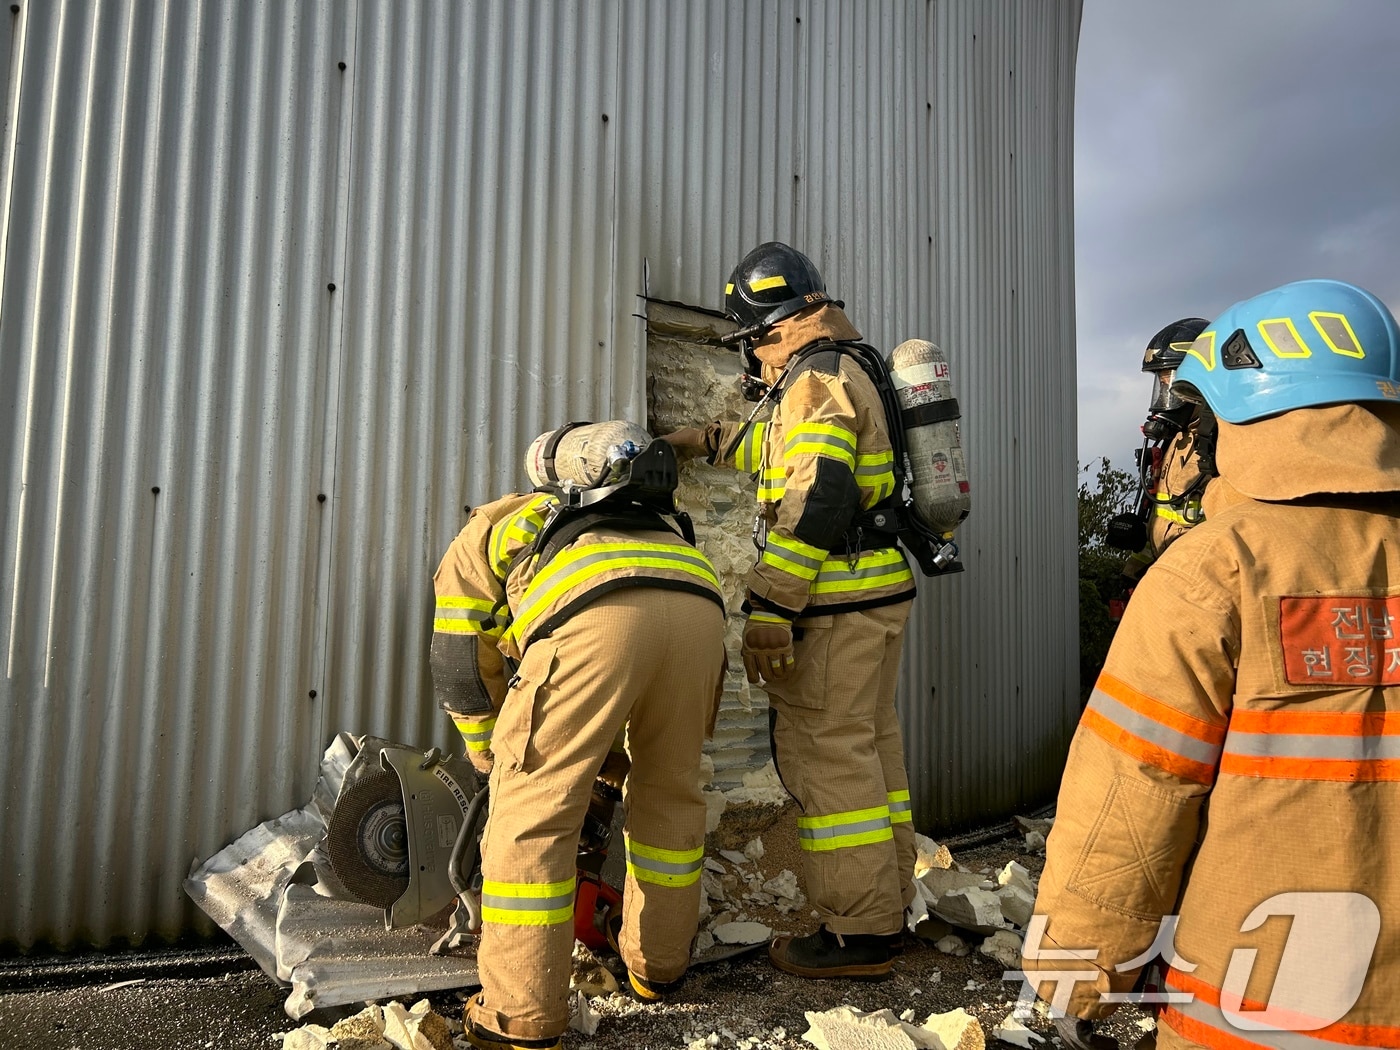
<point x="1240" y="755"/>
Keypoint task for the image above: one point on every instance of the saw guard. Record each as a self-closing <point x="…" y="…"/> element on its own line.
<point x="435" y="803"/>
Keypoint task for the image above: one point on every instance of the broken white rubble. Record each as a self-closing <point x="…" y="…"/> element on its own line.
<point x="416" y="1027"/>
<point x="1015" y="875"/>
<point x="582" y="1017"/>
<point x="1014" y="1032"/>
<point x="742" y="933"/>
<point x="1017" y="905"/>
<point x="1005" y="947"/>
<point x="952" y="945"/>
<point x="972" y="908"/>
<point x="846" y="1028"/>
<point x="929" y="854"/>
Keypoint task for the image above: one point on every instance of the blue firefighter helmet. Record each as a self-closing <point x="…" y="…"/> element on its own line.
<point x="1305" y="344"/>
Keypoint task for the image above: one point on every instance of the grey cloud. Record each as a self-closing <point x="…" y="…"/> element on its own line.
<point x="1223" y="148"/>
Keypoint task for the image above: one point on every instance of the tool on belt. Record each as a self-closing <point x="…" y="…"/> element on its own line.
<point x="408" y="839"/>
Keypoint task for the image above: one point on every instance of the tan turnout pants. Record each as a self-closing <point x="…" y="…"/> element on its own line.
<point x="644" y="656"/>
<point x="839" y="751"/>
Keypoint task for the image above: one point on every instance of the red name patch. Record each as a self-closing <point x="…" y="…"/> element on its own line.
<point x="1340" y="641"/>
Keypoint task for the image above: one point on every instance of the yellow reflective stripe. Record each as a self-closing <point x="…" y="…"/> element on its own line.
<point x="528" y="903"/>
<point x="463" y="601"/>
<point x="822" y="439"/>
<point x="764" y="283"/>
<point x="901" y="810"/>
<point x="460" y="614"/>
<point x="792" y="556"/>
<point x="748" y="456"/>
<point x="832" y="820"/>
<point x="764" y="616"/>
<point x="873" y="569"/>
<point x="520" y="529"/>
<point x="664" y="867"/>
<point x="576" y="565"/>
<point x="834" y="831"/>
<point x="772" y="485"/>
<point x="476" y="732"/>
<point x="875" y="474"/>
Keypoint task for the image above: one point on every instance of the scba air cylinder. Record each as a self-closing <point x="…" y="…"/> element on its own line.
<point x="929" y="414"/>
<point x="582" y="454"/>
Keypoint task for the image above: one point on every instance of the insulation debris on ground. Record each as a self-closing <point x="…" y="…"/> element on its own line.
<point x="389" y="1027"/>
<point x="846" y="1028"/>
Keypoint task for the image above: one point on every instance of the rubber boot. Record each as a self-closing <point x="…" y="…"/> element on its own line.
<point x="826" y="954"/>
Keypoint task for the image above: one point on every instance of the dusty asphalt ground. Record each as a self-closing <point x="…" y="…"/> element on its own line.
<point x="214" y="998"/>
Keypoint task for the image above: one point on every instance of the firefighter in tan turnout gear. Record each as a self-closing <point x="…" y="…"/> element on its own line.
<point x="1238" y="765"/>
<point x="827" y="607"/>
<point x="609" y="617"/>
<point x="1175" y="462"/>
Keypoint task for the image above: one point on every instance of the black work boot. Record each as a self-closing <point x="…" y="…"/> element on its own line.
<point x="827" y="954"/>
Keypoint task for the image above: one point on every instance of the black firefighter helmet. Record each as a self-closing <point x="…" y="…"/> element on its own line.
<point x="1168" y="414"/>
<point x="772" y="282"/>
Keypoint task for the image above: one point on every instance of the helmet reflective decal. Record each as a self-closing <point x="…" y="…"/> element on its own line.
<point x="1283" y="337"/>
<point x="1203" y="350"/>
<point x="764" y="283"/>
<point x="1336" y="329"/>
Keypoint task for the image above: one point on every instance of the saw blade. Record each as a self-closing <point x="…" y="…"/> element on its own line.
<point x="367" y="840"/>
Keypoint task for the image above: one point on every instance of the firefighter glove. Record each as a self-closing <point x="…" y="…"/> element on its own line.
<point x="767" y="647"/>
<point x="689" y="441"/>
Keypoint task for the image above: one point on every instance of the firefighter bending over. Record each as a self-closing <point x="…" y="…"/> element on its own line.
<point x="1238" y="757"/>
<point x="610" y="617"/>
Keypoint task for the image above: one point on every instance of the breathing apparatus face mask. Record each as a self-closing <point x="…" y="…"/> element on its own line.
<point x="744" y="340"/>
<point x="1168" y="414"/>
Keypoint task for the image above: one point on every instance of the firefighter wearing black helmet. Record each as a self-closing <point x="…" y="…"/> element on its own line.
<point x="827" y="606"/>
<point x="1176" y="460"/>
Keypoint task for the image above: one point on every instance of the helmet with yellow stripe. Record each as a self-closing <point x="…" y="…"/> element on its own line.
<point x="1305" y="344"/>
<point x="772" y="282"/>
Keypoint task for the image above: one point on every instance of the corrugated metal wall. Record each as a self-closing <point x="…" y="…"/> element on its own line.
<point x="268" y="322"/>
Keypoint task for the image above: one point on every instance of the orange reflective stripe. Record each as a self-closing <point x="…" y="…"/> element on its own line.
<point x="1171" y="717"/>
<point x="1199" y="1032"/>
<point x="1341" y="746"/>
<point x="1153" y="732"/>
<point x="1336" y="1032"/>
<point x="1145" y="751"/>
<point x="1364" y="771"/>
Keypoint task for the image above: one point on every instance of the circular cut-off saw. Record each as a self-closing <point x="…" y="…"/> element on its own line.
<point x="407" y="838"/>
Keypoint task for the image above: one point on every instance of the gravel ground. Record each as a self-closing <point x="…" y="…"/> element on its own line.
<point x="742" y="1002"/>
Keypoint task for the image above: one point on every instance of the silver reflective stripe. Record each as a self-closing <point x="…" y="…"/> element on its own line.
<point x="507" y="903"/>
<point x="1200" y="1010"/>
<point x="1153" y="731"/>
<point x="661" y="866"/>
<point x="842" y="830"/>
<point x="900" y="807"/>
<point x="837" y="569"/>
<point x="1307" y="745"/>
<point x="784" y="553"/>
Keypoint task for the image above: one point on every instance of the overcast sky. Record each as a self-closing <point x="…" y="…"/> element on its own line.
<point x="1222" y="148"/>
